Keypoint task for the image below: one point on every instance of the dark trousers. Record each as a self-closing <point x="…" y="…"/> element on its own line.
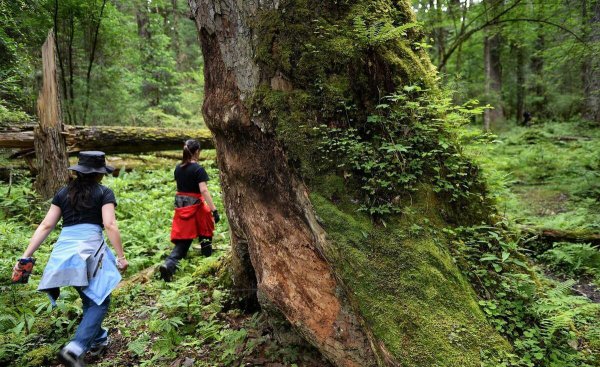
<point x="181" y="249"/>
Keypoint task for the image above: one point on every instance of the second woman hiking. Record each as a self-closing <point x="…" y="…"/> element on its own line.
<point x="195" y="213"/>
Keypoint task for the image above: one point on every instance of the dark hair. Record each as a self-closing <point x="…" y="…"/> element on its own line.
<point x="189" y="149"/>
<point x="80" y="190"/>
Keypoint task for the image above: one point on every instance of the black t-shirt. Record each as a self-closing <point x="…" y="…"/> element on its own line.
<point x="189" y="177"/>
<point x="100" y="195"/>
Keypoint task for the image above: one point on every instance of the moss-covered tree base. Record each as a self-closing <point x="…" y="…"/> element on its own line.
<point x="386" y="294"/>
<point x="405" y="281"/>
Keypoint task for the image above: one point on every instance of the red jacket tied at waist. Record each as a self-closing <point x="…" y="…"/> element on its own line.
<point x="192" y="221"/>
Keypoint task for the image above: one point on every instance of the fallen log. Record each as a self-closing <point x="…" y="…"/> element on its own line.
<point x="112" y="139"/>
<point x="549" y="236"/>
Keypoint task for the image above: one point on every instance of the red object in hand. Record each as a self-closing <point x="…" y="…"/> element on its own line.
<point x="23" y="270"/>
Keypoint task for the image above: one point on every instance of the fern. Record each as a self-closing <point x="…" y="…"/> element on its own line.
<point x="574" y="259"/>
<point x="562" y="312"/>
<point x="139" y="346"/>
<point x="379" y="32"/>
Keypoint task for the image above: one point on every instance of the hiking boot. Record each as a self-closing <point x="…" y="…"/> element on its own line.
<point x="165" y="273"/>
<point x="206" y="250"/>
<point x="69" y="359"/>
<point x="99" y="348"/>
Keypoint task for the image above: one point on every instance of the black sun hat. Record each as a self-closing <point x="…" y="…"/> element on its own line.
<point x="92" y="162"/>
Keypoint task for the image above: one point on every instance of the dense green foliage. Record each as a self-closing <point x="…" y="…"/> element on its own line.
<point x="404" y="144"/>
<point x="140" y="58"/>
<point x="547" y="42"/>
<point x="546" y="177"/>
<point x="151" y="322"/>
<point x="550" y="324"/>
<point x="552" y="172"/>
<point x="395" y="154"/>
<point x="427" y="241"/>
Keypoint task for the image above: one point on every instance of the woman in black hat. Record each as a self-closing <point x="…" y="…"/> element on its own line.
<point x="80" y="257"/>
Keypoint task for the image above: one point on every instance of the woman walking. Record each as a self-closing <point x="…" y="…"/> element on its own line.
<point x="195" y="213"/>
<point x="80" y="257"/>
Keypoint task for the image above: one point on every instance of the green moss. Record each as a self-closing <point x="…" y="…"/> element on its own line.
<point x="407" y="285"/>
<point x="402" y="277"/>
<point x="39" y="356"/>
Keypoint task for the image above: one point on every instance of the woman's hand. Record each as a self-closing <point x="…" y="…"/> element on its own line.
<point x="122" y="264"/>
<point x="16" y="271"/>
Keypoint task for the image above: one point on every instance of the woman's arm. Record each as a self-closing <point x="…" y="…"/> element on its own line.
<point x="43" y="230"/>
<point x="207" y="197"/>
<point x="112" y="231"/>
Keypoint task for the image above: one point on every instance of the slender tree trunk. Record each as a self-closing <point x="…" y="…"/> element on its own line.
<point x="459" y="10"/>
<point x="441" y="33"/>
<point x="179" y="56"/>
<point x="538" y="106"/>
<point x="63" y="75"/>
<point x="492" y="45"/>
<point x="520" y="102"/>
<point x="71" y="97"/>
<point x="591" y="66"/>
<point x="141" y="16"/>
<point x="537" y="67"/>
<point x="51" y="152"/>
<point x="261" y="56"/>
<point x="88" y="75"/>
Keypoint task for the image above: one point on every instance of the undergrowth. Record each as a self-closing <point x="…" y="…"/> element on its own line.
<point x="151" y="323"/>
<point x="544" y="176"/>
<point x="545" y="321"/>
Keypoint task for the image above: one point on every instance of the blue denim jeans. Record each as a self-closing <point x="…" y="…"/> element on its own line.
<point x="89" y="331"/>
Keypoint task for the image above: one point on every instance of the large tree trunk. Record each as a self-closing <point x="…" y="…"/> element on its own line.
<point x="51" y="152"/>
<point x="492" y="45"/>
<point x="591" y="66"/>
<point x="389" y="306"/>
<point x="113" y="139"/>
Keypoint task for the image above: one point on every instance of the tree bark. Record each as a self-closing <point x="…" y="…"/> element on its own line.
<point x="278" y="241"/>
<point x="520" y="102"/>
<point x="88" y="75"/>
<point x="175" y="36"/>
<point x="113" y="139"/>
<point x="51" y="152"/>
<point x="492" y="45"/>
<point x="591" y="68"/>
<point x="63" y="75"/>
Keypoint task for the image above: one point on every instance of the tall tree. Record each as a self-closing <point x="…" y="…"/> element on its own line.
<point x="92" y="55"/>
<point x="492" y="66"/>
<point x="539" y="99"/>
<point x="520" y="81"/>
<point x="591" y="66"/>
<point x="362" y="292"/>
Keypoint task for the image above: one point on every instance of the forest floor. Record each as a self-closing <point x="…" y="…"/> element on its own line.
<point x="546" y="180"/>
<point x="191" y="321"/>
<point x="543" y="176"/>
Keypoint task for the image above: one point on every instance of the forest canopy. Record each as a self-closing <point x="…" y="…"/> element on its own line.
<point x="138" y="57"/>
<point x="539" y="57"/>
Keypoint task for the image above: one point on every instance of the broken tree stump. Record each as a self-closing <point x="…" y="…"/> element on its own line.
<point x="49" y="143"/>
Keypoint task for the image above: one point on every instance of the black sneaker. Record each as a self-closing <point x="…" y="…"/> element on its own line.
<point x="99" y="348"/>
<point x="69" y="359"/>
<point x="206" y="249"/>
<point x="165" y="273"/>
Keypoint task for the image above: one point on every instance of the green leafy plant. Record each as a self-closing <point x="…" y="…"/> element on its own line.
<point x="408" y="142"/>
